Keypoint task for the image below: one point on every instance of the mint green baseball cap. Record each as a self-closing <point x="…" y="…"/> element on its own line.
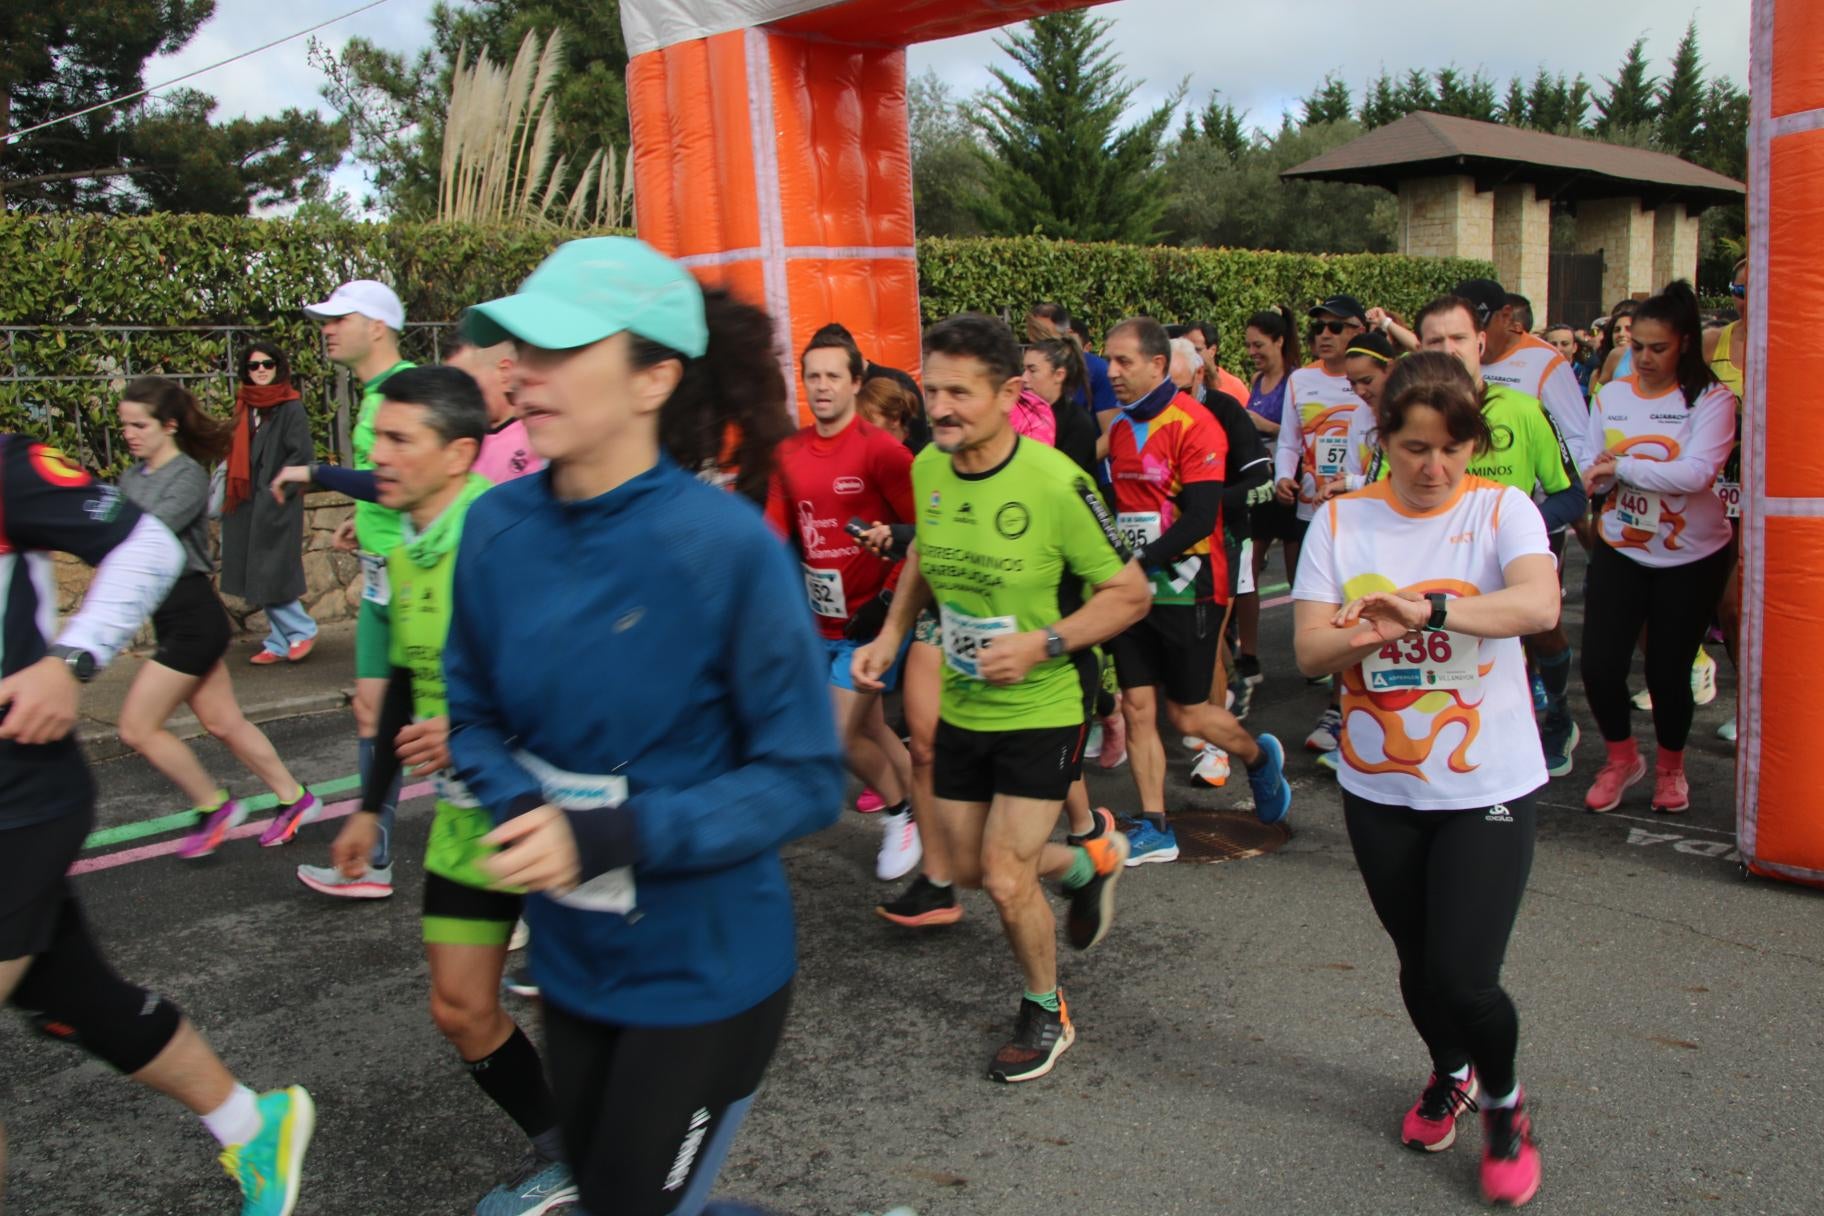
<point x="592" y="289"/>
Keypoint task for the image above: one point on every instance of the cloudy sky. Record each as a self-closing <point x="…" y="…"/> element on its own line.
<point x="1262" y="54"/>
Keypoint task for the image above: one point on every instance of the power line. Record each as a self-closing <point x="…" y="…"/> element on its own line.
<point x="126" y="97"/>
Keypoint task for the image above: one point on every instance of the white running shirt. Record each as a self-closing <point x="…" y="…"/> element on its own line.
<point x="1434" y="721"/>
<point x="1663" y="511"/>
<point x="1535" y="368"/>
<point x="1317" y="413"/>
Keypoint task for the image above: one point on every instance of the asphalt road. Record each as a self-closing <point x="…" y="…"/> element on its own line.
<point x="1242" y="1046"/>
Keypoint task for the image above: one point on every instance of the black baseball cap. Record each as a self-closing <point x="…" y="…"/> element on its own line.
<point x="1488" y="296"/>
<point x="1347" y="307"/>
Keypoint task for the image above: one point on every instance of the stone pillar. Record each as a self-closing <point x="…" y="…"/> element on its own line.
<point x="1623" y="233"/>
<point x="1446" y="217"/>
<point x="1674" y="245"/>
<point x="1523" y="245"/>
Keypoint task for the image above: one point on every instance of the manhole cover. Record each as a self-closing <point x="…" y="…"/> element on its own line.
<point x="1212" y="836"/>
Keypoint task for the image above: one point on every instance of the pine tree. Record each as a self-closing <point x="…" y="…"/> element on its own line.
<point x="1681" y="99"/>
<point x="1513" y="110"/>
<point x="1381" y="103"/>
<point x="1331" y="102"/>
<point x="1628" y="105"/>
<point x="1415" y="93"/>
<point x="1058" y="164"/>
<point x="1220" y="125"/>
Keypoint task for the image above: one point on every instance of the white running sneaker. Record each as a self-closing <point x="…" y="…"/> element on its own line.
<point x="900" y="849"/>
<point x="1325" y="737"/>
<point x="1092" y="744"/>
<point x="1193" y="744"/>
<point x="1212" y="768"/>
<point x="1726" y="731"/>
<point x="1643" y="701"/>
<point x="1703" y="678"/>
<point x="522" y="935"/>
<point x="377" y="883"/>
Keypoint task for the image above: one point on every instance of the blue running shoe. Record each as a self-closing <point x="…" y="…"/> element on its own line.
<point x="1540" y="700"/>
<point x="536" y="1187"/>
<point x="1272" y="796"/>
<point x="1147" y="843"/>
<point x="270" y="1166"/>
<point x="1559" y="737"/>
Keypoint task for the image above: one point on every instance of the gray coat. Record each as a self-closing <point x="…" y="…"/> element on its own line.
<point x="263" y="542"/>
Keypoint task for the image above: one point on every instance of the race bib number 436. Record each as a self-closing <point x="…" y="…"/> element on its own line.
<point x="1423" y="660"/>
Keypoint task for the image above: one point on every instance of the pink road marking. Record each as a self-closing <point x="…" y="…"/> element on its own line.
<point x="1276" y="602"/>
<point x="164" y="848"/>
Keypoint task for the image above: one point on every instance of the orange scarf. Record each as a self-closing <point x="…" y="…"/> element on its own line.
<point x="240" y="454"/>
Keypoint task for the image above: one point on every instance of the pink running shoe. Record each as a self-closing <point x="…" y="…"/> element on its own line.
<point x="868" y="802"/>
<point x="1431" y="1124"/>
<point x="1510" y="1162"/>
<point x="1671" y="792"/>
<point x="1114" y="741"/>
<point x="208" y="838"/>
<point x="286" y="823"/>
<point x="1614" y="780"/>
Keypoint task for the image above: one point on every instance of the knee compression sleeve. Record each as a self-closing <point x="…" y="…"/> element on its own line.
<point x="73" y="996"/>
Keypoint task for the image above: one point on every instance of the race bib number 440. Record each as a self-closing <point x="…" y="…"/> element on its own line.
<point x="1423" y="660"/>
<point x="965" y="637"/>
<point x="1636" y="508"/>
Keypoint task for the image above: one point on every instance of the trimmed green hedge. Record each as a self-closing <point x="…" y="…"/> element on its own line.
<point x="244" y="275"/>
<point x="1105" y="283"/>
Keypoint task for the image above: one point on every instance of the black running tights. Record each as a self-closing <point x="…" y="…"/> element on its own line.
<point x="1446" y="886"/>
<point x="649" y="1113"/>
<point x="1675" y="603"/>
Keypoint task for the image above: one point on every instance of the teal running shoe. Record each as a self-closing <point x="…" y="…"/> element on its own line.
<point x="538" y="1187"/>
<point x="270" y="1166"/>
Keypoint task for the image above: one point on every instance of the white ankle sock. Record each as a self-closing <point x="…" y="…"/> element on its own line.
<point x="235" y="1121"/>
<point x="1508" y="1103"/>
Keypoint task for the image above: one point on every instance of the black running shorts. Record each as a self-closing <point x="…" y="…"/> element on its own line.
<point x="1173" y="648"/>
<point x="192" y="627"/>
<point x="975" y="765"/>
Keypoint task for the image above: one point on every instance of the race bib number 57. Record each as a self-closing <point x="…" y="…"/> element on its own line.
<point x="1423" y="660"/>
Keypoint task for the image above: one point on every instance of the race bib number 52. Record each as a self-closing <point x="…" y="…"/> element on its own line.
<point x="1423" y="660"/>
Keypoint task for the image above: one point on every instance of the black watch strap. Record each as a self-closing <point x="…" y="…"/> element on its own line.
<point x="1054" y="644"/>
<point x="80" y="662"/>
<point x="1439" y="607"/>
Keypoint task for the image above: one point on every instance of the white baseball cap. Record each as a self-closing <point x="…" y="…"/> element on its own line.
<point x="365" y="296"/>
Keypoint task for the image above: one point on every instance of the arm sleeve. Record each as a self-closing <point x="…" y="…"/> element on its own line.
<point x="479" y="743"/>
<point x="395" y="716"/>
<point x="1563" y="399"/>
<point x="1290" y="452"/>
<point x="892" y="468"/>
<point x="1247" y="464"/>
<point x="52" y="505"/>
<point x="358" y="484"/>
<point x="1695" y="470"/>
<point x="788" y="782"/>
<point x="1595" y="442"/>
<point x="1199" y="505"/>
<point x="1316" y="578"/>
<point x="182" y="498"/>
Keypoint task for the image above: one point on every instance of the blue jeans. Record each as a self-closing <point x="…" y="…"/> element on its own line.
<point x="289" y="624"/>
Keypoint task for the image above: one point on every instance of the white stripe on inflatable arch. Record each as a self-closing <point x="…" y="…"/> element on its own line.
<point x="765" y="136"/>
<point x="1754" y="505"/>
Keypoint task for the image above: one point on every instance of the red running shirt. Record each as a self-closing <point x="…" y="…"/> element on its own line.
<point x="1151" y="463"/>
<point x="818" y="486"/>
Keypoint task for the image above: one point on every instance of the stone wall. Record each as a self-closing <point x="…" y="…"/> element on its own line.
<point x="332" y="578"/>
<point x="1446" y="217"/>
<point x="1623" y="233"/>
<point x="1523" y="245"/>
<point x="1675" y="245"/>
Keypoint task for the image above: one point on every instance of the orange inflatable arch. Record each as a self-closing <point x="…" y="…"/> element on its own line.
<point x="770" y="155"/>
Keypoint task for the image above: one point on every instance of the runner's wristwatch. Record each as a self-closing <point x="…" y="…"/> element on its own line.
<point x="80" y="663"/>
<point x="1054" y="644"/>
<point x="1439" y="603"/>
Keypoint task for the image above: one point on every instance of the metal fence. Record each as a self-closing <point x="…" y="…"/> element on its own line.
<point x="62" y="383"/>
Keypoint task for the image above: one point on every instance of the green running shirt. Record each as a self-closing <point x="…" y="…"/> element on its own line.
<point x="376" y="527"/>
<point x="1009" y="551"/>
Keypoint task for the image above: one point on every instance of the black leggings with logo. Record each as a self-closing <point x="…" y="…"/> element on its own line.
<point x="649" y="1112"/>
<point x="1446" y="886"/>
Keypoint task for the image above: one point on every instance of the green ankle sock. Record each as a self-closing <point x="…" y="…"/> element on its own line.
<point x="214" y="804"/>
<point x="1048" y="999"/>
<point x="1082" y="869"/>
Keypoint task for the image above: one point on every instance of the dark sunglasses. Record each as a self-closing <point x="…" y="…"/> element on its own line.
<point x="262" y="364"/>
<point x="1330" y="327"/>
<point x="1738" y="290"/>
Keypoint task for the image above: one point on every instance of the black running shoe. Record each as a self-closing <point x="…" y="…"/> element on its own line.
<point x="1104" y="821"/>
<point x="1039" y="1038"/>
<point x="1248" y="667"/>
<point x="924" y="903"/>
<point x="1244" y="699"/>
<point x="1092" y="905"/>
